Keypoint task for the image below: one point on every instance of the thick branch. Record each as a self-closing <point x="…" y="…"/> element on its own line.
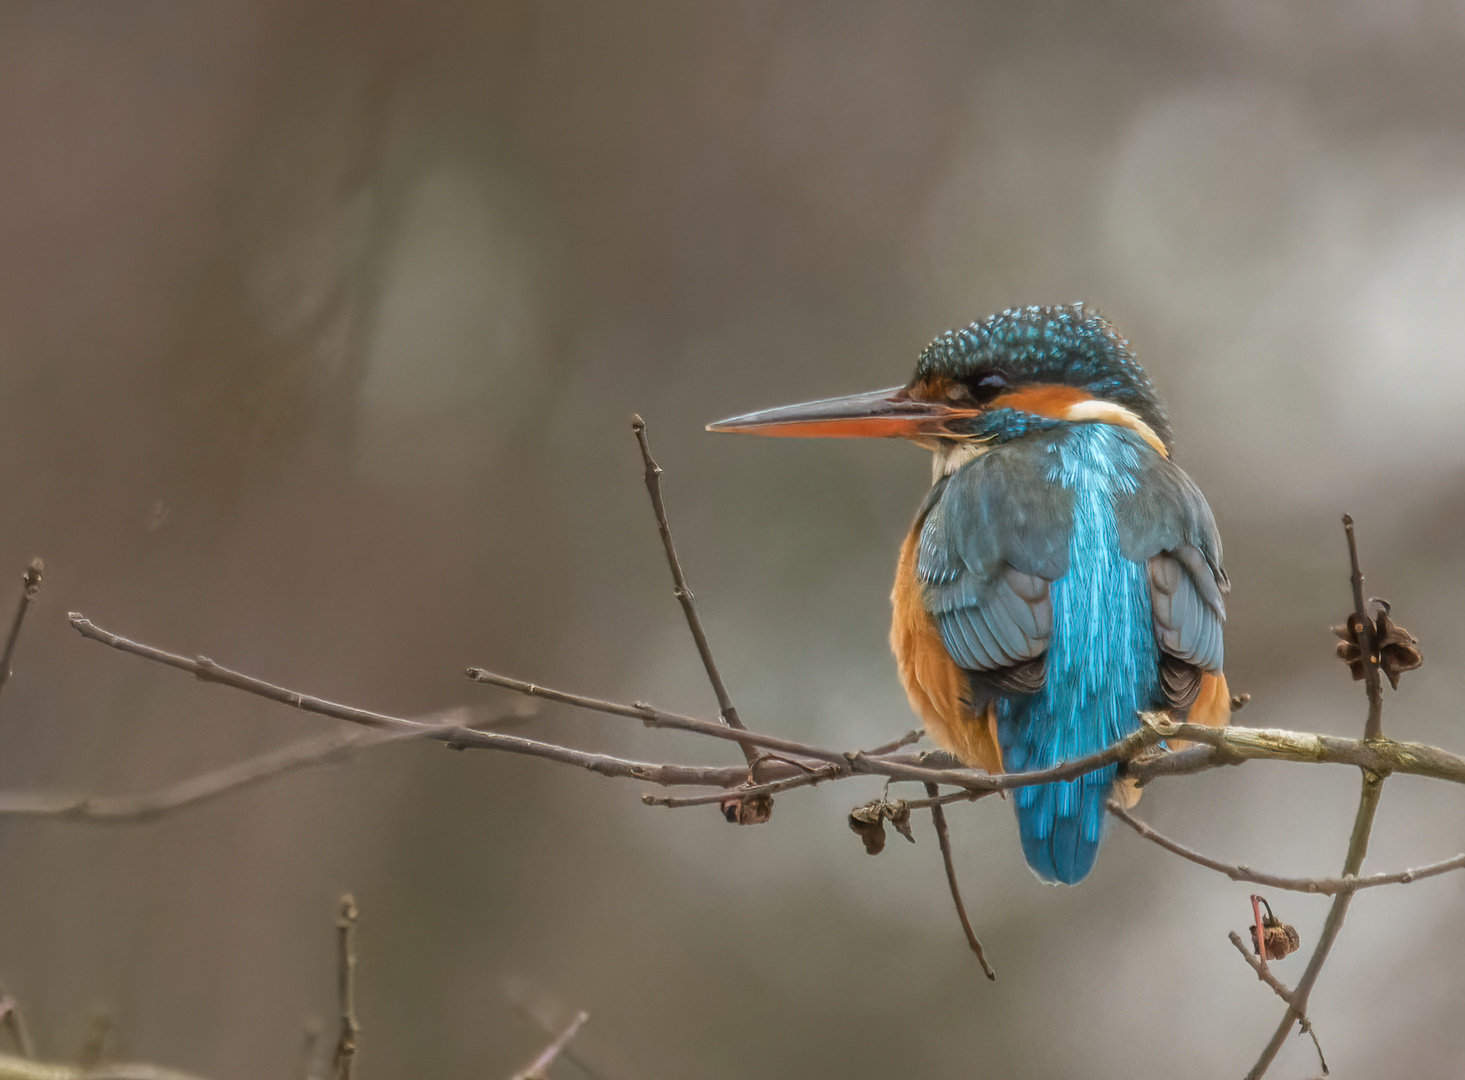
<point x="1234" y="744"/>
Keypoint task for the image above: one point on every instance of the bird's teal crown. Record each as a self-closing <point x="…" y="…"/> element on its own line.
<point x="1072" y="346"/>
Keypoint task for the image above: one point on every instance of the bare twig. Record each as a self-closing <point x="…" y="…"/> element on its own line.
<point x="15" y="1068"/>
<point x="1330" y="886"/>
<point x="195" y="789"/>
<point x="343" y="1064"/>
<point x="1280" y="989"/>
<point x="1368" y="803"/>
<point x="1367" y="641"/>
<point x="683" y="592"/>
<point x="538" y="1068"/>
<point x="895" y="744"/>
<point x="31" y="588"/>
<point x="746" y="791"/>
<point x="943" y="837"/>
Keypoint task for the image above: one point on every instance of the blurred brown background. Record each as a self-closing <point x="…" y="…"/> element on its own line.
<point x="320" y="328"/>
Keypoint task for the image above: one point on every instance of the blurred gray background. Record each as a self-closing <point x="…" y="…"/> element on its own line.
<point x="320" y="330"/>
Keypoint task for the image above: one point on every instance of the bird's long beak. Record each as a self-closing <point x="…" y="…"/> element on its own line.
<point x="883" y="414"/>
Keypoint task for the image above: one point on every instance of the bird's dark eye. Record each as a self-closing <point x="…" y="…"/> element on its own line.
<point x="987" y="385"/>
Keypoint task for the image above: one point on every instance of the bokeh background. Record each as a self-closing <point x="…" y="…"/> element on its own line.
<point x="320" y="330"/>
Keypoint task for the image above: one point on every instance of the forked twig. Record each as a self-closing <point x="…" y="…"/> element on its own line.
<point x="1280" y="989"/>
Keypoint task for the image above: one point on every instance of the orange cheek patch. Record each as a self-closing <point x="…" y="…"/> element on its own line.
<point x="1045" y="399"/>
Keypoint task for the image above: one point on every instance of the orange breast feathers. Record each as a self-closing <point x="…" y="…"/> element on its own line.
<point x="937" y="688"/>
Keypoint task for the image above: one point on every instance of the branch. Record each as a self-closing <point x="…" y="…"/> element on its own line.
<point x="747" y="791"/>
<point x="1280" y="989"/>
<point x="1368" y="803"/>
<point x="1320" y="886"/>
<point x="343" y="1064"/>
<point x="195" y="789"/>
<point x="456" y="737"/>
<point x="1367" y="641"/>
<point x="15" y="1068"/>
<point x="683" y="593"/>
<point x="943" y="837"/>
<point x="1232" y="745"/>
<point x="32" y="588"/>
<point x="538" y="1068"/>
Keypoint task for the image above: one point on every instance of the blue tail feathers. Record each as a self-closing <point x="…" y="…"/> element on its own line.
<point x="1102" y="666"/>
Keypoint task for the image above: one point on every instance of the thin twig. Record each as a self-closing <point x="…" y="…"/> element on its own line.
<point x="807" y="777"/>
<point x="746" y="791"/>
<point x="1263" y="972"/>
<point x="943" y="837"/>
<point x="858" y="761"/>
<point x="109" y="809"/>
<point x="895" y="744"/>
<point x="1280" y="989"/>
<point x="459" y="738"/>
<point x="343" y="1064"/>
<point x="1367" y="641"/>
<point x="1330" y="886"/>
<point x="725" y="708"/>
<point x="538" y="1068"/>
<point x="31" y="588"/>
<point x="1368" y="803"/>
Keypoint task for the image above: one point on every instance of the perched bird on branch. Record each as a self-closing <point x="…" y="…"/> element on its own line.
<point x="1063" y="574"/>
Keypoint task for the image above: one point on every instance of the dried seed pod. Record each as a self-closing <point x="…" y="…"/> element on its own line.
<point x="868" y="822"/>
<point x="1397" y="649"/>
<point x="1280" y="939"/>
<point x="900" y="817"/>
<point x="747" y="810"/>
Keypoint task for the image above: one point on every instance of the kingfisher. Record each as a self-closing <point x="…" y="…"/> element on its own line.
<point x="1063" y="574"/>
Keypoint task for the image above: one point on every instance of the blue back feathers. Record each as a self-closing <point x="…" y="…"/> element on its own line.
<point x="1036" y="561"/>
<point x="1102" y="664"/>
